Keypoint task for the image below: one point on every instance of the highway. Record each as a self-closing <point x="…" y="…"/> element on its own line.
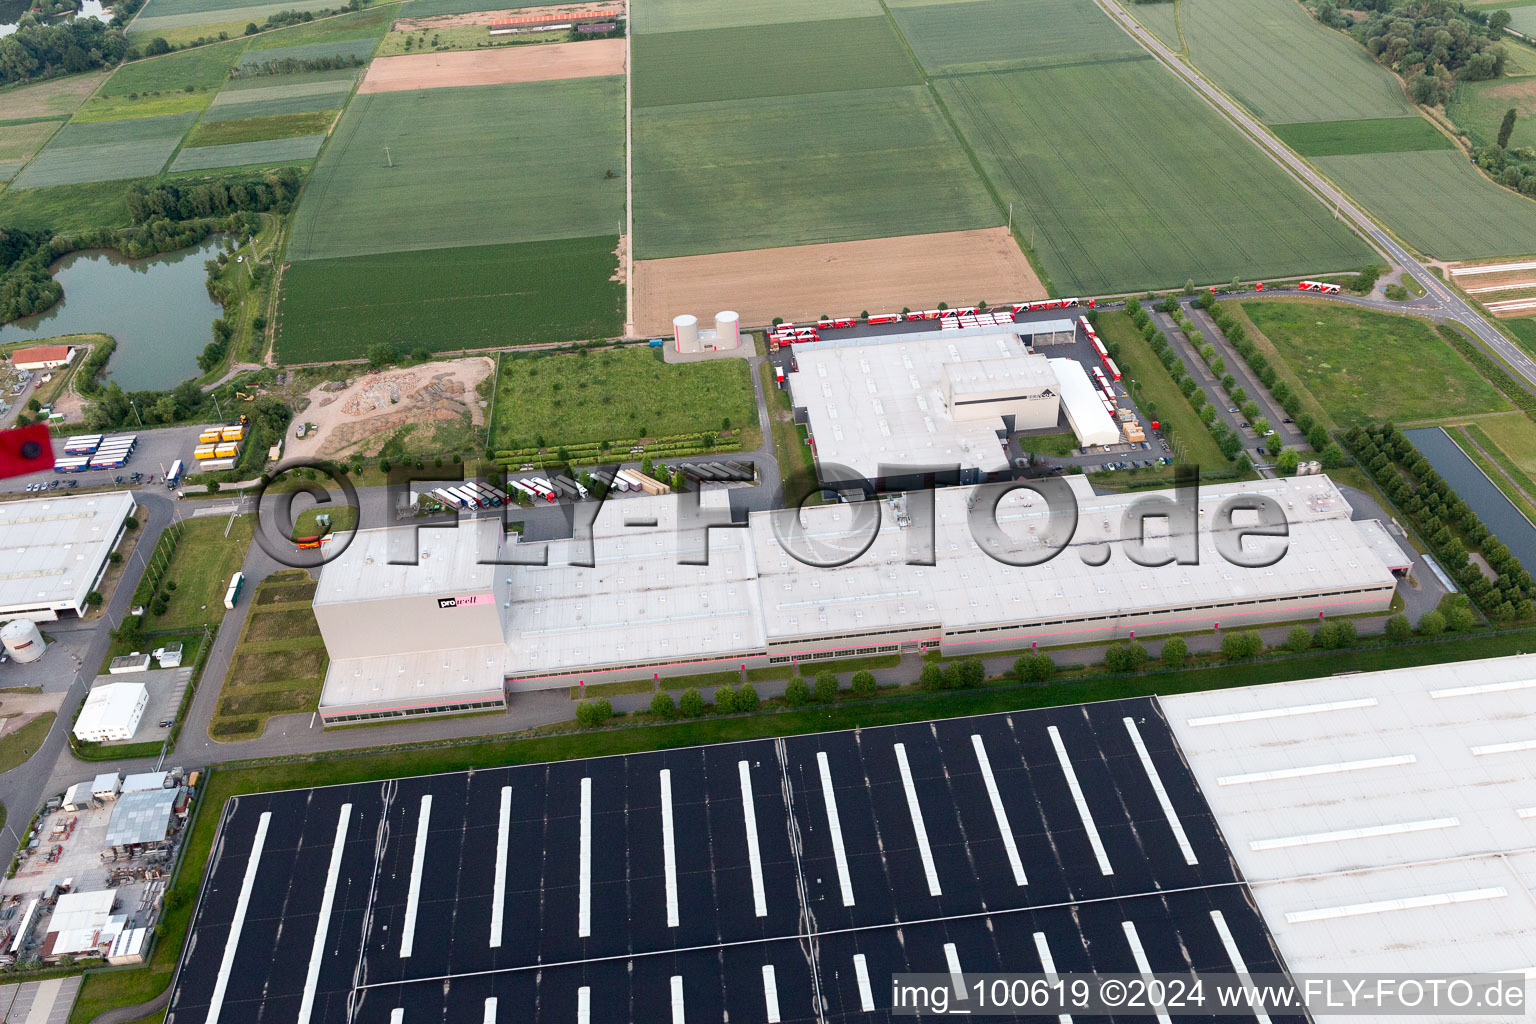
<point x="1443" y="302"/>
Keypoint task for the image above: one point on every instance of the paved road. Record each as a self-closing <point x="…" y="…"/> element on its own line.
<point x="1439" y="298"/>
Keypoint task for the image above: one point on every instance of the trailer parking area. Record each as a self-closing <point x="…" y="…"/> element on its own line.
<point x="777" y="880"/>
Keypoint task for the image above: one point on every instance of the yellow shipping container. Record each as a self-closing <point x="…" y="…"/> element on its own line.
<point x="206" y="451"/>
<point x="211" y="436"/>
<point x="226" y="451"/>
<point x="232" y="433"/>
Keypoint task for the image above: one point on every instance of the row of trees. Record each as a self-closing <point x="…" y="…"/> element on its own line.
<point x="295" y="65"/>
<point x="1230" y="444"/>
<point x="1450" y="527"/>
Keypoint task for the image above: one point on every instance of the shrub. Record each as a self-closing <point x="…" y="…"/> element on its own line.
<point x="864" y="683"/>
<point x="591" y="713"/>
<point x="796" y="692"/>
<point x="1398" y="629"/>
<point x="1175" y="651"/>
<point x="662" y="704"/>
<point x="691" y="703"/>
<point x="1242" y="644"/>
<point x="1125" y="657"/>
<point x="1298" y="639"/>
<point x="931" y="678"/>
<point x="94" y="597"/>
<point x="826" y="687"/>
<point x="747" y="698"/>
<point x="725" y="700"/>
<point x="1035" y="668"/>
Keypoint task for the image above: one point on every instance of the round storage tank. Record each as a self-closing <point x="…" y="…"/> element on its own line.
<point x="685" y="331"/>
<point x="22" y="640"/>
<point x="727" y="330"/>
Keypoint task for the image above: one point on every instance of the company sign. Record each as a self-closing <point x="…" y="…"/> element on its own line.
<point x="460" y="602"/>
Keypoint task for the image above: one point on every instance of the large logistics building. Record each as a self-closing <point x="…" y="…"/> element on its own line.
<point x="54" y="551"/>
<point x="440" y="636"/>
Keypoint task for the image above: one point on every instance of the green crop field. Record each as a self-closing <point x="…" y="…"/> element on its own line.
<point x="65" y="207"/>
<point x="359" y="48"/>
<point x="1470" y="215"/>
<point x="8" y="169"/>
<point x="181" y="29"/>
<point x="1161" y="190"/>
<point x="616" y="393"/>
<point x="769" y="60"/>
<point x="277" y="106"/>
<point x="433" y="8"/>
<point x="980" y="35"/>
<point x="1367" y="367"/>
<point x="257" y="129"/>
<point x="19" y="141"/>
<point x="479" y="165"/>
<point x="242" y="154"/>
<point x="1162" y="20"/>
<point x="56" y="98"/>
<point x="1279" y="62"/>
<point x="690" y="15"/>
<point x="106" y="151"/>
<point x="218" y="10"/>
<point x="203" y="67"/>
<point x="368" y="24"/>
<point x="1478" y="107"/>
<point x="1368" y="135"/>
<point x="449" y="299"/>
<point x="303" y="93"/>
<point x="830" y="167"/>
<point x="118" y="108"/>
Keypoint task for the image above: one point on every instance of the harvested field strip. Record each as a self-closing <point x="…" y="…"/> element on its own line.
<point x="359" y="48"/>
<point x="1279" y="62"/>
<point x="56" y="98"/>
<point x="769" y="60"/>
<point x="8" y="169"/>
<point x="690" y="15"/>
<point x="240" y="154"/>
<point x="460" y="176"/>
<point x="122" y="108"/>
<point x="832" y="167"/>
<point x="1004" y="33"/>
<point x="1368" y="135"/>
<point x="17" y="142"/>
<point x="259" y="129"/>
<point x="151" y="22"/>
<point x="801" y="282"/>
<point x="1163" y="190"/>
<point x="1470" y="217"/>
<point x="106" y="151"/>
<point x="499" y="66"/>
<point x="450" y="299"/>
<point x="371" y="23"/>
<point x="203" y="67"/>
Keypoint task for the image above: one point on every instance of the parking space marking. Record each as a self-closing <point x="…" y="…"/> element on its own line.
<point x="1142" y="966"/>
<point x="413" y="895"/>
<point x="584" y="909"/>
<point x="861" y="974"/>
<point x="1082" y="804"/>
<point x="956" y="975"/>
<point x="490" y="1010"/>
<point x="584" y="1005"/>
<point x="242" y="904"/>
<point x="1048" y="968"/>
<point x="771" y="994"/>
<point x="754" y="853"/>
<point x="677" y="999"/>
<point x="327" y="902"/>
<point x="499" y="896"/>
<point x="1239" y="967"/>
<point x="1162" y="793"/>
<point x="397" y="1015"/>
<point x="918" y="828"/>
<point x="998" y="810"/>
<point x="668" y="846"/>
<point x="836" y="828"/>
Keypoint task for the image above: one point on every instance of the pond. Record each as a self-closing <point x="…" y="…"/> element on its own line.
<point x="12" y="10"/>
<point x="158" y="310"/>
<point x="1497" y="512"/>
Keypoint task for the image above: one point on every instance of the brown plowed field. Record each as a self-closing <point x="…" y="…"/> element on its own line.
<point x="499" y="66"/>
<point x="802" y="282"/>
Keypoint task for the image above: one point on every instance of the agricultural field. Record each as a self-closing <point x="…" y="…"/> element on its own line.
<point x="119" y="108"/>
<point x="1162" y="20"/>
<point x="257" y="129"/>
<point x="269" y="152"/>
<point x="1478" y="108"/>
<point x="446" y="180"/>
<point x="179" y="22"/>
<point x="366" y="24"/>
<point x="501" y="65"/>
<point x="56" y="98"/>
<point x="1369" y="367"/>
<point x="271" y="96"/>
<point x="987" y="35"/>
<point x="20" y="141"/>
<point x="451" y="299"/>
<point x="64" y="207"/>
<point x="361" y="49"/>
<point x="828" y="167"/>
<point x="437" y="8"/>
<point x="608" y="394"/>
<point x="204" y="67"/>
<point x="448" y="38"/>
<point x="1161" y="191"/>
<point x="690" y="15"/>
<point x="769" y="60"/>
<point x="1370" y="135"/>
<point x="106" y="151"/>
<point x="1470" y="215"/>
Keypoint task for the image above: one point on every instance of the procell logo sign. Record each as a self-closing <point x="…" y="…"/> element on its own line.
<point x="460" y="602"/>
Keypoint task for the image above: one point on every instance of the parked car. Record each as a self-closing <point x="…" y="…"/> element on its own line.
<point x="1232" y="408"/>
<point x="1287" y="420"/>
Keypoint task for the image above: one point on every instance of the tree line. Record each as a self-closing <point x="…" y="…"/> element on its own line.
<point x="1431" y="43"/>
<point x="295" y="65"/>
<point x="36" y="51"/>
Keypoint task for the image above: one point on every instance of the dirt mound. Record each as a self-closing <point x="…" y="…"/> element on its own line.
<point x="359" y="418"/>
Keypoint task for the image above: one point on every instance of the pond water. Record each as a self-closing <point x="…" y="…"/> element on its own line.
<point x="1497" y="512"/>
<point x="12" y="10"/>
<point x="158" y="310"/>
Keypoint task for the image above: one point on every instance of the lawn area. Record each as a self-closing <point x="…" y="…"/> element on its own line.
<point x="201" y="566"/>
<point x="16" y="747"/>
<point x="255" y="129"/>
<point x="987" y="35"/>
<point x="797" y="466"/>
<point x="769" y="60"/>
<point x="278" y="665"/>
<point x="106" y="150"/>
<point x="1513" y="436"/>
<point x="1368" y="367"/>
<point x="480" y="165"/>
<point x="1283" y="65"/>
<point x="690" y="15"/>
<point x="448" y="299"/>
<point x="343" y="518"/>
<point x="1470" y="217"/>
<point x="203" y="66"/>
<point x="1160" y="191"/>
<point x="830" y="167"/>
<point x="608" y="394"/>
<point x="56" y="98"/>
<point x="1158" y="396"/>
<point x="1495" y="465"/>
<point x="1371" y="135"/>
<point x="1050" y="444"/>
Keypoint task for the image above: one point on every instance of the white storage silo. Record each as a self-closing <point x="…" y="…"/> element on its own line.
<point x="685" y="332"/>
<point x="22" y="640"/>
<point x="727" y="330"/>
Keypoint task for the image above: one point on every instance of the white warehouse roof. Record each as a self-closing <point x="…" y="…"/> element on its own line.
<point x="1386" y="822"/>
<point x="1083" y="404"/>
<point x="426" y="562"/>
<point x="111" y="708"/>
<point x="53" y="549"/>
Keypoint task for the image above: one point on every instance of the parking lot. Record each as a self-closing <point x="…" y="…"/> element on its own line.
<point x="153" y="455"/>
<point x="779" y="880"/>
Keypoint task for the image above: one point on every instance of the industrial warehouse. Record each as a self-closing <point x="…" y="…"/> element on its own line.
<point x="1374" y="824"/>
<point x="478" y="616"/>
<point x="55" y="550"/>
